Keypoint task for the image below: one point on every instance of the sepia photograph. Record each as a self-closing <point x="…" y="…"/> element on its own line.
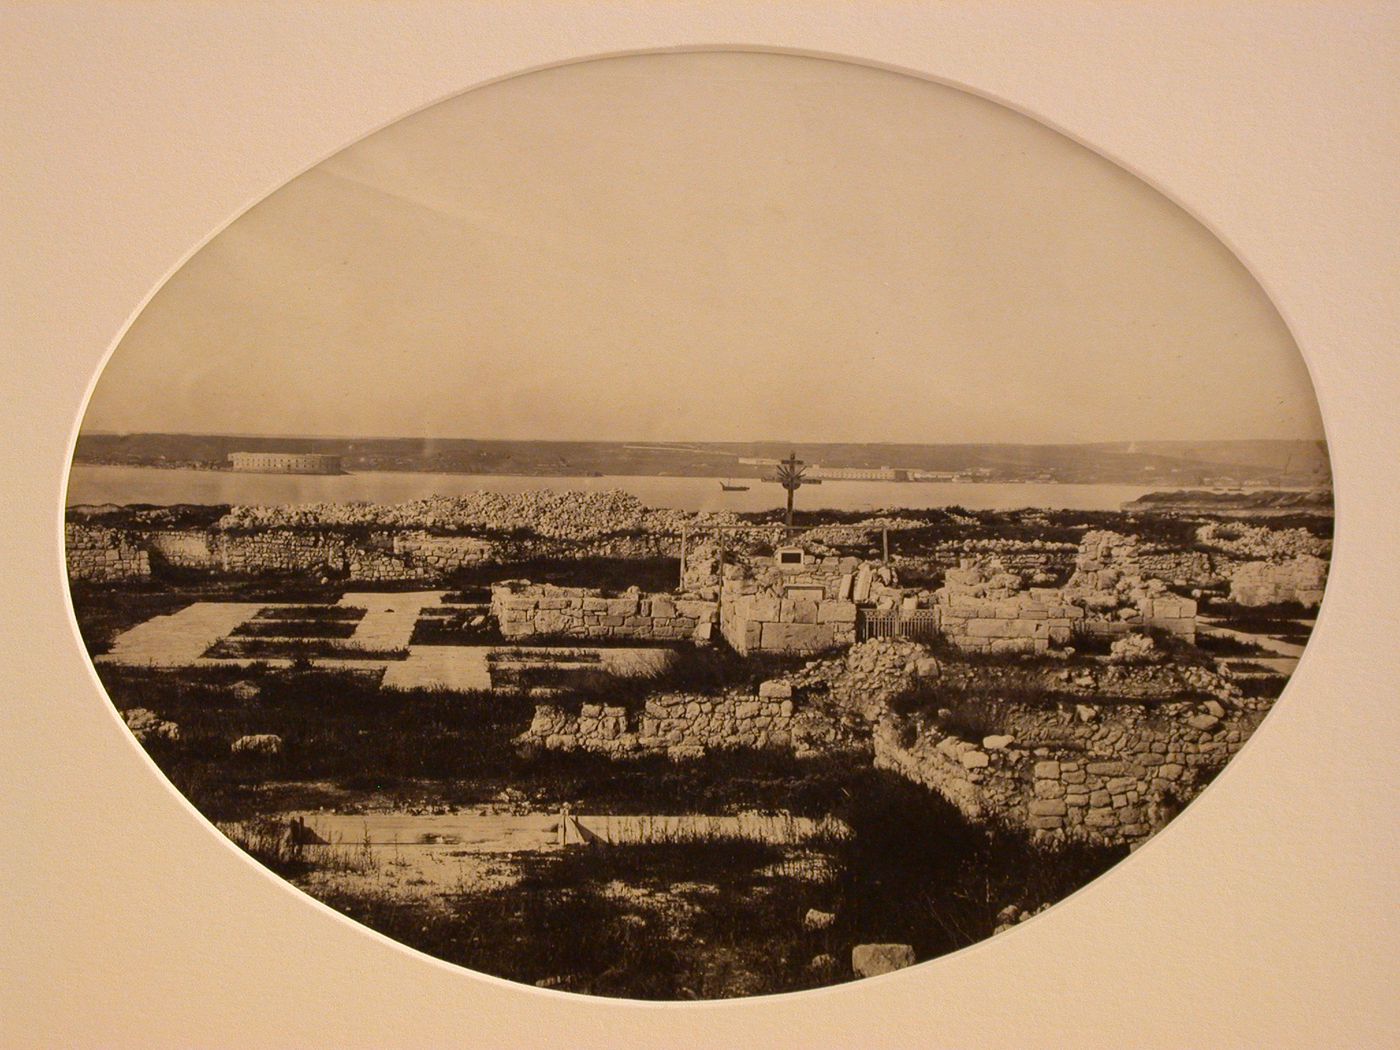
<point x="700" y="525"/>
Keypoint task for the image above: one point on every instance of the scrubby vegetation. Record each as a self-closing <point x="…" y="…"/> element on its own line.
<point x="720" y="916"/>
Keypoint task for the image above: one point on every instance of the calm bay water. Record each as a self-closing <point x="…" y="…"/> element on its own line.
<point x="108" y="484"/>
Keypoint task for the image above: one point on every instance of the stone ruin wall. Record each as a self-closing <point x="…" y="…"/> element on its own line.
<point x="410" y="555"/>
<point x="103" y="555"/>
<point x="525" y="610"/>
<point x="754" y="623"/>
<point x="806" y="608"/>
<point x="1301" y="579"/>
<point x="679" y="725"/>
<point x="984" y="608"/>
<point x="1114" y="778"/>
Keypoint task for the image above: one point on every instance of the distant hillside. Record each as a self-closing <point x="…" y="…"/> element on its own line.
<point x="1219" y="463"/>
<point x="1263" y="502"/>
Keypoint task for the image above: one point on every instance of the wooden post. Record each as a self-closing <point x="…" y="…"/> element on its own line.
<point x="885" y="542"/>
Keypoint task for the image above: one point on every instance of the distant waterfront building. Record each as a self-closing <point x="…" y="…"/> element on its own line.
<point x="858" y="473"/>
<point x="286" y="462"/>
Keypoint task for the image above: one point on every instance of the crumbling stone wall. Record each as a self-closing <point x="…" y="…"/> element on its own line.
<point x="1109" y="581"/>
<point x="982" y="608"/>
<point x="867" y="676"/>
<point x="1099" y="774"/>
<point x="523" y="609"/>
<point x="686" y="726"/>
<point x="1179" y="568"/>
<point x="103" y="555"/>
<point x="679" y="725"/>
<point x="1301" y="579"/>
<point x="383" y="556"/>
<point x="1259" y="542"/>
<point x="806" y="607"/>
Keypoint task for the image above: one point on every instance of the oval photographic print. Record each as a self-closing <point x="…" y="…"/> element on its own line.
<point x="699" y="525"/>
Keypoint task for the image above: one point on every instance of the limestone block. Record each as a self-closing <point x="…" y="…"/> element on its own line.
<point x="774" y="689"/>
<point x="836" y="612"/>
<point x="767" y="609"/>
<point x="984" y="629"/>
<point x="1013" y="645"/>
<point x="871" y="960"/>
<point x="795" y="637"/>
<point x="1106" y="769"/>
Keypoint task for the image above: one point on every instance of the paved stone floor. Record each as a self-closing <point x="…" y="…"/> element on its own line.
<point x="505" y="832"/>
<point x="180" y="638"/>
<point x="1283" y="658"/>
<point x="389" y="618"/>
<point x="457" y="667"/>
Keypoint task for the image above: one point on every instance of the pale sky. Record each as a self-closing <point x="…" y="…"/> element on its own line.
<point x="718" y="246"/>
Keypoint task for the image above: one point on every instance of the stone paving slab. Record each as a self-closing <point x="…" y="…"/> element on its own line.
<point x="180" y="638"/>
<point x="389" y="617"/>
<point x="505" y="832"/>
<point x="458" y="667"/>
<point x="1262" y="640"/>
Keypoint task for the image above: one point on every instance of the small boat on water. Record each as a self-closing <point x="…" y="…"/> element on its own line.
<point x="729" y="486"/>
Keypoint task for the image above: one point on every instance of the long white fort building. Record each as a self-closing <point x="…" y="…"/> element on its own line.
<point x="286" y="462"/>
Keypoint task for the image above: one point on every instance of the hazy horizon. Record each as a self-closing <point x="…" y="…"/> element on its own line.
<point x="694" y="247"/>
<point x="95" y="432"/>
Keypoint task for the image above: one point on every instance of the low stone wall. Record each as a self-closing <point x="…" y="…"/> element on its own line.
<point x="1301" y="579"/>
<point x="383" y="556"/>
<point x="1030" y="621"/>
<point x="1098" y="774"/>
<point x="523" y="610"/>
<point x="101" y="555"/>
<point x="679" y="725"/>
<point x="184" y="548"/>
<point x="1179" y="568"/>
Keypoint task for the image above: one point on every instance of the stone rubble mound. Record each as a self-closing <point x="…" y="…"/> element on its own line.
<point x="1260" y="543"/>
<point x="563" y="515"/>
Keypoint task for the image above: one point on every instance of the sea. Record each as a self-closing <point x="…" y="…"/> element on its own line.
<point x="96" y="484"/>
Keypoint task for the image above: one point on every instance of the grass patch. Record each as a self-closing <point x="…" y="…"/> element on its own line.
<point x="105" y="610"/>
<point x="1224" y="645"/>
<point x="718" y="917"/>
<point x="455" y="627"/>
<point x="240" y="648"/>
<point x="288" y="628"/>
<point x="436" y="746"/>
<point x="319" y="613"/>
<point x="916" y="871"/>
<point x="1262" y="687"/>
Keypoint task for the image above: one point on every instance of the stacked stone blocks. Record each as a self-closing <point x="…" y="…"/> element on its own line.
<point x="524" y="610"/>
